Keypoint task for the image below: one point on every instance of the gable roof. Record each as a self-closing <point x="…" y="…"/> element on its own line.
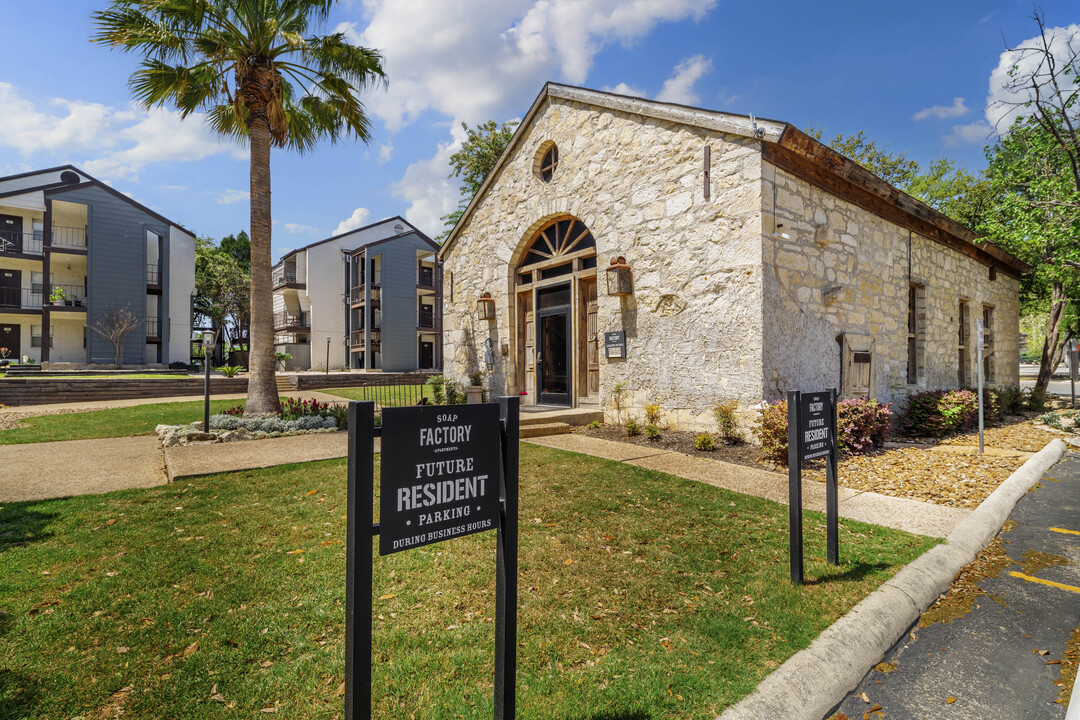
<point x="54" y="188"/>
<point x="784" y="146"/>
<point x="411" y="231"/>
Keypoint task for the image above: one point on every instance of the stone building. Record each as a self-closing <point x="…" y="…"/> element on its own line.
<point x="760" y="261"/>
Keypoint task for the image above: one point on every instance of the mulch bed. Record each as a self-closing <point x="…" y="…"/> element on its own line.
<point x="681" y="441"/>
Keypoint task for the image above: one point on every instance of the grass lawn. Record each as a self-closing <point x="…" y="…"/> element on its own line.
<point x="144" y="376"/>
<point x="641" y="596"/>
<point x="114" y="422"/>
<point x="390" y="395"/>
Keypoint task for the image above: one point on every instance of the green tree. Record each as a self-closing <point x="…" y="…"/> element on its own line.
<point x="222" y="285"/>
<point x="261" y="77"/>
<point x="894" y="168"/>
<point x="239" y="247"/>
<point x="474" y="161"/>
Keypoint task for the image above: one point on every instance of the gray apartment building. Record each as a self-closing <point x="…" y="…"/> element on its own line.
<point x="366" y="299"/>
<point x="73" y="251"/>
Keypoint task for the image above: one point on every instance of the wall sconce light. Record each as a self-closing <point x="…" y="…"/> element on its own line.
<point x="619" y="281"/>
<point x="485" y="307"/>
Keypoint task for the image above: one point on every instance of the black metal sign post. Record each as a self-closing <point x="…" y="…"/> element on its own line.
<point x="812" y="434"/>
<point x="446" y="472"/>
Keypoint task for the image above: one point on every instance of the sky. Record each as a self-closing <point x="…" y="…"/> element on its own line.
<point x="916" y="76"/>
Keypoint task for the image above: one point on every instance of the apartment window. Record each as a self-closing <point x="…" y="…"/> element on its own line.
<point x="988" y="344"/>
<point x="916" y="294"/>
<point x="37" y="282"/>
<point x="35" y="336"/>
<point x="962" y="345"/>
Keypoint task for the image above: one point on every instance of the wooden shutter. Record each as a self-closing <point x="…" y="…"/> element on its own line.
<point x="858" y="367"/>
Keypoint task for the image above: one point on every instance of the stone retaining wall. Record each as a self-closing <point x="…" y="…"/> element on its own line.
<point x="45" y="391"/>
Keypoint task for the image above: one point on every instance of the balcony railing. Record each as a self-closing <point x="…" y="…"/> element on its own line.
<point x="356" y="339"/>
<point x="70" y="237"/>
<point x="283" y="276"/>
<point x="69" y="295"/>
<point x="13" y="242"/>
<point x="153" y="274"/>
<point x="284" y="320"/>
<point x="426" y="320"/>
<point x="20" y="298"/>
<point x="153" y="330"/>
<point x="426" y="278"/>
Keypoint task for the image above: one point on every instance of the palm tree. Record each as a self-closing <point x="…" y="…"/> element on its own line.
<point x="257" y="73"/>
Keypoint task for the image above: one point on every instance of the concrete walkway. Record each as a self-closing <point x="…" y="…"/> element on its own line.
<point x="185" y="461"/>
<point x="108" y="404"/>
<point x="36" y="471"/>
<point x="900" y="513"/>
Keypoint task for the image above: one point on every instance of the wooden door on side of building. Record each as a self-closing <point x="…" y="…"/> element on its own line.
<point x="11" y="233"/>
<point x="590" y="391"/>
<point x="10" y="288"/>
<point x="10" y="336"/>
<point x="858" y="367"/>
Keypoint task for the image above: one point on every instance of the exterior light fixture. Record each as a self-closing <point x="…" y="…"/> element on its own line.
<point x="485" y="307"/>
<point x="619" y="281"/>
<point x="209" y="339"/>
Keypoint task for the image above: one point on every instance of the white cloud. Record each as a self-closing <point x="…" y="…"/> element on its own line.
<point x="943" y="112"/>
<point x="297" y="229"/>
<point x="976" y="132"/>
<point x="175" y="188"/>
<point x="679" y="88"/>
<point x="233" y="196"/>
<point x="112" y="142"/>
<point x="427" y="185"/>
<point x="358" y="219"/>
<point x="386" y="151"/>
<point x="1002" y="103"/>
<point x="624" y="89"/>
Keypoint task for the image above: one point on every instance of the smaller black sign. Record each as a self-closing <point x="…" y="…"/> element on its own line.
<point x="816" y="438"/>
<point x="440" y="474"/>
<point x="615" y="344"/>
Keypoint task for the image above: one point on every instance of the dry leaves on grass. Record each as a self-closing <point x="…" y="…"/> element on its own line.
<point x="937" y="476"/>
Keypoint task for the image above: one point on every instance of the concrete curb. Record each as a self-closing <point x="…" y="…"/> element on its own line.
<point x="815" y="680"/>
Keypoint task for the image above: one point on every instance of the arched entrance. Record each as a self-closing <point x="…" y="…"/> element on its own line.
<point x="555" y="291"/>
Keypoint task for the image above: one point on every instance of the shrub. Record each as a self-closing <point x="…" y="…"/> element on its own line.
<point x="862" y="424"/>
<point x="1051" y="419"/>
<point x="238" y="410"/>
<point x="632" y="427"/>
<point x="705" y="442"/>
<point x="653" y="414"/>
<point x="1037" y="400"/>
<point x="595" y="424"/>
<point x="1012" y="399"/>
<point x="231" y="370"/>
<point x="937" y="413"/>
<point x="272" y="424"/>
<point x="727" y="425"/>
<point x="618" y="398"/>
<point x="652" y="432"/>
<point x="293" y="409"/>
<point x="455" y="394"/>
<point x="340" y="414"/>
<point x="437" y="384"/>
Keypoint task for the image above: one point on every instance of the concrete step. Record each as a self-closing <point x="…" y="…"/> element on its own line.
<point x="283" y="384"/>
<point x="570" y="416"/>
<point x="544" y="429"/>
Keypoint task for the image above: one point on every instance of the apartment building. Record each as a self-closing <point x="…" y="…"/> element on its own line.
<point x="73" y="251"/>
<point x="366" y="299"/>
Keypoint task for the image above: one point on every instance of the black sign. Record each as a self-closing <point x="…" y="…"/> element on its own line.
<point x="440" y="474"/>
<point x="615" y="344"/>
<point x="816" y="438"/>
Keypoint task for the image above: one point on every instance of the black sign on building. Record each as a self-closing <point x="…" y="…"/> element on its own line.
<point x="615" y="344"/>
<point x="811" y="435"/>
<point x="447" y="471"/>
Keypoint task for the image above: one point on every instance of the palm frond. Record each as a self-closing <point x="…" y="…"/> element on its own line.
<point x="156" y="83"/>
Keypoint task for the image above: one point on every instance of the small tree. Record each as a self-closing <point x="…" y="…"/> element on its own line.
<point x="115" y="324"/>
<point x="474" y="161"/>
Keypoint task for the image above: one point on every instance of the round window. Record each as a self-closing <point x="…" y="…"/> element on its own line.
<point x="549" y="160"/>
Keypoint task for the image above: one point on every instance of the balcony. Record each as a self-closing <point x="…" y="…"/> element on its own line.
<point x="68" y="237"/>
<point x="356" y="295"/>
<point x="153" y="329"/>
<point x="426" y="320"/>
<point x="356" y="340"/>
<point x="285" y="277"/>
<point x="425" y="279"/>
<point x="20" y="298"/>
<point x="153" y="274"/>
<point x="290" y="321"/>
<point x="72" y="296"/>
<point x="24" y="243"/>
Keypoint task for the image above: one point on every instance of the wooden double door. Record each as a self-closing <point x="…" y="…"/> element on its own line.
<point x="559" y="341"/>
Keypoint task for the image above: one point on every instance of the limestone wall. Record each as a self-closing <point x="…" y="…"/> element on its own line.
<point x="844" y="269"/>
<point x="693" y="324"/>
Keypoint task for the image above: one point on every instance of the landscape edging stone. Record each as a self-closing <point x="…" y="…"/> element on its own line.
<point x="816" y="679"/>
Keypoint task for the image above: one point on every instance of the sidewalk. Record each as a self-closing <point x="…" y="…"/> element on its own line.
<point x="999" y="660"/>
<point x="900" y="513"/>
<point x="108" y="404"/>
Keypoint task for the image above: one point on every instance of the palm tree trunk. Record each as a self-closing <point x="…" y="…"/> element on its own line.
<point x="262" y="386"/>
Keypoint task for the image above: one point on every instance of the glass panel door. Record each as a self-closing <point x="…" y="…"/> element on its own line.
<point x="553" y="356"/>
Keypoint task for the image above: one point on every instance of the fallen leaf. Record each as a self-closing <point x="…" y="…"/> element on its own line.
<point x="875" y="707"/>
<point x="121" y="650"/>
<point x="311" y="492"/>
<point x="190" y="649"/>
<point x="215" y="696"/>
<point x="329" y="542"/>
<point x="269" y="710"/>
<point x="267" y="663"/>
<point x="864" y="698"/>
<point x="111" y="521"/>
<point x="950" y="700"/>
<point x="1053" y="662"/>
<point x="568" y="561"/>
<point x="1044" y="652"/>
<point x="294" y="552"/>
<point x="387" y="596"/>
<point x="885" y="667"/>
<point x="340" y="690"/>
